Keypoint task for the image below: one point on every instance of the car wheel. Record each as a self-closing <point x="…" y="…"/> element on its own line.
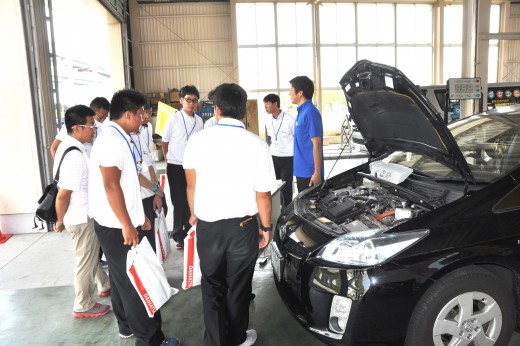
<point x="470" y="306"/>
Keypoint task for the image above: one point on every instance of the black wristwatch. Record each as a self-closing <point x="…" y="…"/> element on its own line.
<point x="266" y="229"/>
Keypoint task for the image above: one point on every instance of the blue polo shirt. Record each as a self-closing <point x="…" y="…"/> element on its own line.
<point x="308" y="124"/>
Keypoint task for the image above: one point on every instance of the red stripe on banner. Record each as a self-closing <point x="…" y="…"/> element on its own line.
<point x="191" y="256"/>
<point x="161" y="245"/>
<point x="163" y="181"/>
<point x="142" y="291"/>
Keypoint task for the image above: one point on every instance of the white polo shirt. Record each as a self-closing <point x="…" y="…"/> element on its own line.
<point x="145" y="141"/>
<point x="141" y="147"/>
<point x="231" y="165"/>
<point x="177" y="130"/>
<point x="113" y="149"/>
<point x="73" y="177"/>
<point x="210" y="122"/>
<point x="281" y="131"/>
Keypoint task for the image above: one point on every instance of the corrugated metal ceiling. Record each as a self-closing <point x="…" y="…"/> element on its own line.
<point x="184" y="43"/>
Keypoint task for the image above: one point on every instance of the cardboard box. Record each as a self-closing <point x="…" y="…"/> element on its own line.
<point x="174" y="95"/>
<point x="155" y="98"/>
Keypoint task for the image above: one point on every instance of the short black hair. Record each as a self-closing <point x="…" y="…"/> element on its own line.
<point x="100" y="103"/>
<point x="305" y="84"/>
<point x="231" y="99"/>
<point x="189" y="90"/>
<point x="273" y="98"/>
<point x="126" y="100"/>
<point x="77" y="115"/>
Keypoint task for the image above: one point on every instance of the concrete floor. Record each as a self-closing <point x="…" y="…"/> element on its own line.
<point x="36" y="286"/>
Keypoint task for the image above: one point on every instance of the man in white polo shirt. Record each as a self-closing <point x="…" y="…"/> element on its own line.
<point x="177" y="130"/>
<point x="151" y="192"/>
<point x="230" y="177"/>
<point x="100" y="106"/>
<point x="118" y="215"/>
<point x="73" y="215"/>
<point x="280" y="136"/>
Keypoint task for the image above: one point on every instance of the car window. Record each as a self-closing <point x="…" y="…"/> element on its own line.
<point x="424" y="164"/>
<point x="510" y="202"/>
<point x="490" y="146"/>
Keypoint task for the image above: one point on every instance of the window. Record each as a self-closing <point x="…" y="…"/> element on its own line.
<point x="275" y="44"/>
<point x="453" y="42"/>
<point x="271" y="35"/>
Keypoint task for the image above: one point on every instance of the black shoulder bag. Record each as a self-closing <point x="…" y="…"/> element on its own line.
<point x="46" y="210"/>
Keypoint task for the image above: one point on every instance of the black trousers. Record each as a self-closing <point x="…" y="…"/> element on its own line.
<point x="303" y="183"/>
<point x="181" y="209"/>
<point x="151" y="215"/>
<point x="283" y="168"/>
<point x="128" y="308"/>
<point x="227" y="253"/>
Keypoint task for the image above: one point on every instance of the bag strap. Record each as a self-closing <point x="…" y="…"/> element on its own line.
<point x="57" y="177"/>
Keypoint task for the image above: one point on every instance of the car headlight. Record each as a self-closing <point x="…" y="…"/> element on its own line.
<point x="368" y="248"/>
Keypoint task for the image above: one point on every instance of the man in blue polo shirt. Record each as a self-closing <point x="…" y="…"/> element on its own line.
<point x="308" y="135"/>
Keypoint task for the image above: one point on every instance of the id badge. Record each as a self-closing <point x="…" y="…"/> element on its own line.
<point x="139" y="167"/>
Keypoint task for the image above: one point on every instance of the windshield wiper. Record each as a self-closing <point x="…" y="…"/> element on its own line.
<point x="423" y="173"/>
<point x="450" y="179"/>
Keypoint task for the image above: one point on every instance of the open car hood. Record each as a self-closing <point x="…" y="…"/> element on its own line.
<point x="393" y="115"/>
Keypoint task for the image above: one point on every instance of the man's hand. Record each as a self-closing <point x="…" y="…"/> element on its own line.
<point x="58" y="227"/>
<point x="193" y="220"/>
<point x="264" y="239"/>
<point x="147" y="226"/>
<point x="130" y="236"/>
<point x="315" y="180"/>
<point x="157" y="203"/>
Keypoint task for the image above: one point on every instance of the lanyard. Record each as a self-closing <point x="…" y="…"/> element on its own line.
<point x="279" y="127"/>
<point x="131" y="151"/>
<point x="147" y="140"/>
<point x="240" y="127"/>
<point x="186" y="129"/>
<point x="140" y="152"/>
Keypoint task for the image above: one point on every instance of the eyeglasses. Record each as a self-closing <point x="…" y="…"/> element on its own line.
<point x="195" y="101"/>
<point x="87" y="126"/>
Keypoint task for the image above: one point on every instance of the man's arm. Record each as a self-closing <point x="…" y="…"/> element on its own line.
<point x="150" y="184"/>
<point x="264" y="204"/>
<point x="317" y="157"/>
<point x="165" y="149"/>
<point x="54" y="147"/>
<point x="116" y="199"/>
<point x="191" y="178"/>
<point x="62" y="205"/>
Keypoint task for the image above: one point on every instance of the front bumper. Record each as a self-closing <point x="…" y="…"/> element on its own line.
<point x="381" y="299"/>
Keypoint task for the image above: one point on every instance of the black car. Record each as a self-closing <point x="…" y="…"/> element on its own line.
<point x="418" y="246"/>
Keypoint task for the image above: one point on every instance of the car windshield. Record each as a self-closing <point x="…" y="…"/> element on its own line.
<point x="490" y="145"/>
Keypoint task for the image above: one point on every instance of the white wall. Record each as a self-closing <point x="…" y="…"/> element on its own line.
<point x="20" y="185"/>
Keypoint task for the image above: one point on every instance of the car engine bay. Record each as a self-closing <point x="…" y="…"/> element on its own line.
<point x="372" y="202"/>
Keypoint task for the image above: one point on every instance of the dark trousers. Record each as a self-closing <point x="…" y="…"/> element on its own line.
<point x="303" y="183"/>
<point x="151" y="215"/>
<point x="181" y="209"/>
<point x="128" y="308"/>
<point x="227" y="254"/>
<point x="283" y="168"/>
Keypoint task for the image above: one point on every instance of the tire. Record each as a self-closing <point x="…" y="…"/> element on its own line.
<point x="469" y="306"/>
